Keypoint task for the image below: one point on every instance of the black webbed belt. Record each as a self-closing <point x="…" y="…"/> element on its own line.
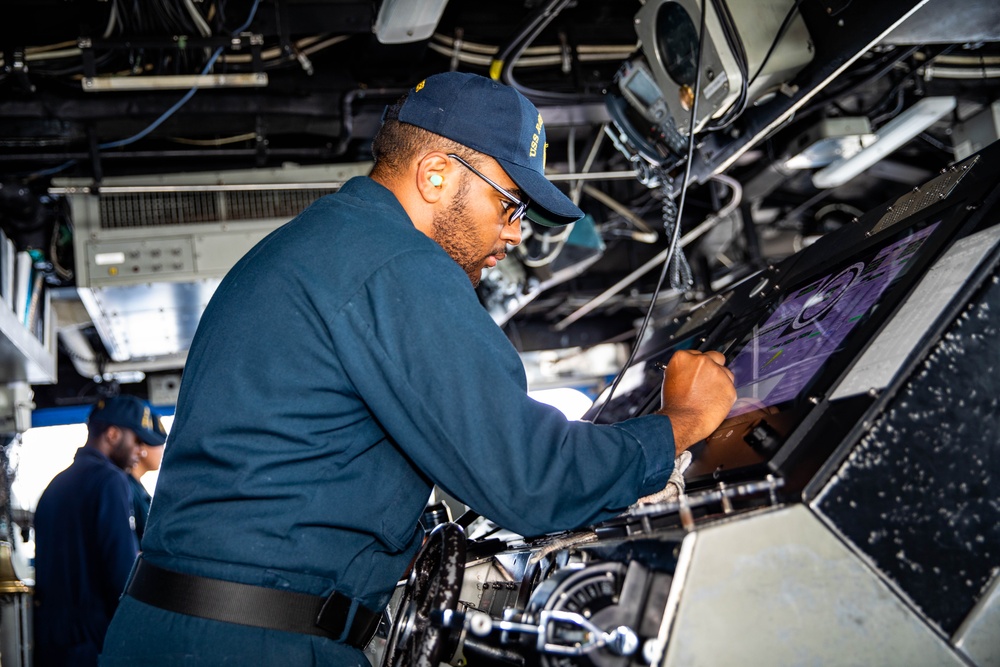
<point x="256" y="606"/>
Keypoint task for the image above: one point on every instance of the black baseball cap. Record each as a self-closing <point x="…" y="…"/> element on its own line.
<point x="496" y="120"/>
<point x="132" y="413"/>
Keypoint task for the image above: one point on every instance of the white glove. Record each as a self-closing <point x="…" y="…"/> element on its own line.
<point x="675" y="485"/>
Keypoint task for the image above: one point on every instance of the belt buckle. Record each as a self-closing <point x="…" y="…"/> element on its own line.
<point x="333" y="615"/>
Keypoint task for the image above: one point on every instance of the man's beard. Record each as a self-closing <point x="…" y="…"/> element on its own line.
<point x="122" y="455"/>
<point x="454" y="230"/>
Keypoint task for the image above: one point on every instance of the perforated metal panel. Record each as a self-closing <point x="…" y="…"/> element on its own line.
<point x="920" y="198"/>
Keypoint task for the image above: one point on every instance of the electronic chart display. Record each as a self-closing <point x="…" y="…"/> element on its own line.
<point x="785" y="362"/>
<point x="784" y="354"/>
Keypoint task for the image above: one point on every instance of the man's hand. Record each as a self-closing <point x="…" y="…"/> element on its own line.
<point x="697" y="394"/>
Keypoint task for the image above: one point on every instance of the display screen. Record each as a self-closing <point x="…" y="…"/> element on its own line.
<point x="783" y="355"/>
<point x="642" y="86"/>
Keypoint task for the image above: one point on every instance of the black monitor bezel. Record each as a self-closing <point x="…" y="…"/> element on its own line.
<point x="746" y="308"/>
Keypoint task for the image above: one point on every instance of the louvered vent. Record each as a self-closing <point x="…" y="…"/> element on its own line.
<point x="157" y="209"/>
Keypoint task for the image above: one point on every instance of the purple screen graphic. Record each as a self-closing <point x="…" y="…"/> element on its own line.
<point x="811" y="323"/>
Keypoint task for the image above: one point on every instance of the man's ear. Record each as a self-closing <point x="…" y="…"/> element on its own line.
<point x="432" y="176"/>
<point x="113" y="435"/>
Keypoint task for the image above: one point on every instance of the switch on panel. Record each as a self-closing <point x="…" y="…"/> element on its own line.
<point x="127" y="261"/>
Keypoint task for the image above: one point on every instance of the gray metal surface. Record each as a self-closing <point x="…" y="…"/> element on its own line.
<point x="150" y="250"/>
<point x="720" y="79"/>
<point x="150" y="319"/>
<point x="852" y="30"/>
<point x="977" y="132"/>
<point x="979" y="636"/>
<point x="780" y="589"/>
<point x="944" y="21"/>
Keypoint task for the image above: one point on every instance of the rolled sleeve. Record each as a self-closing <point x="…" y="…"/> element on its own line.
<point x="654" y="435"/>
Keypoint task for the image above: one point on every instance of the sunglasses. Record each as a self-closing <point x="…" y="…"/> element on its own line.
<point x="514" y="205"/>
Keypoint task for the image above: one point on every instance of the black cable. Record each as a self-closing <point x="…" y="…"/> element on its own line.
<point x="162" y="117"/>
<point x="680" y="271"/>
<point x="179" y="19"/>
<point x="735" y="43"/>
<point x="895" y="93"/>
<point x="534" y="25"/>
<point x="40" y="69"/>
<point x="868" y="73"/>
<point x="871" y="72"/>
<point x="508" y="56"/>
<point x="220" y="16"/>
<point x="163" y="13"/>
<point x="141" y="25"/>
<point x="675" y="238"/>
<point x="900" y="99"/>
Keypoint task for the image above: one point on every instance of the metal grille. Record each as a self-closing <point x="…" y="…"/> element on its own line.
<point x="157" y="209"/>
<point x="931" y="192"/>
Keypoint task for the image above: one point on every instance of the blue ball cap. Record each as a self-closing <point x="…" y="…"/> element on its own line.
<point x="498" y="121"/>
<point x="131" y="413"/>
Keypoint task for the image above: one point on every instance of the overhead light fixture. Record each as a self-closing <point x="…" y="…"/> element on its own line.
<point x="402" y="21"/>
<point x="102" y="84"/>
<point x="888" y="138"/>
<point x="830" y="140"/>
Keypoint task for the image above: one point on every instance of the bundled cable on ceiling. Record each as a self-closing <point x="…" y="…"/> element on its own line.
<point x="503" y="64"/>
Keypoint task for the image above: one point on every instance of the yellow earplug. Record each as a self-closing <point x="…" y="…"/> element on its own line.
<point x="436" y="180"/>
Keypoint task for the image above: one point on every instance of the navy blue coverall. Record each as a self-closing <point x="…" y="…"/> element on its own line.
<point x="140" y="505"/>
<point x="84" y="549"/>
<point x="342" y="368"/>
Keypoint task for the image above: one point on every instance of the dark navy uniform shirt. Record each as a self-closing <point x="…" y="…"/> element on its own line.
<point x="343" y="367"/>
<point x="84" y="550"/>
<point x="140" y="505"/>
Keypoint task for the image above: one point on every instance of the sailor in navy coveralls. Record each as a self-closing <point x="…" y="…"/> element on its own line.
<point x="342" y="368"/>
<point x="85" y="541"/>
